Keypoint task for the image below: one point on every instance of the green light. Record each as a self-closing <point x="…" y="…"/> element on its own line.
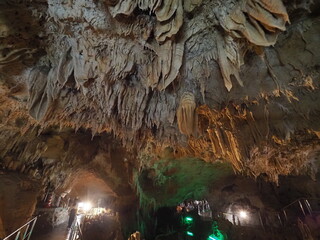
<point x="187" y="220"/>
<point x="212" y="238"/>
<point x="189" y="233"/>
<point x="215" y="237"/>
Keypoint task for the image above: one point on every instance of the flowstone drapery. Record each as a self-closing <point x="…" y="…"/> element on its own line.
<point x="186" y="115"/>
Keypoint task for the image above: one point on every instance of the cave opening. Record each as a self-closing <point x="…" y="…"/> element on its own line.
<point x="85" y="200"/>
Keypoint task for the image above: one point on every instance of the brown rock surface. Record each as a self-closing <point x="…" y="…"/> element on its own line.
<point x="90" y="86"/>
<point x="18" y="198"/>
<point x="123" y="67"/>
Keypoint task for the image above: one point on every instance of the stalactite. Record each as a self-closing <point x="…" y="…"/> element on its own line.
<point x="14" y="55"/>
<point x="259" y="21"/>
<point x="190" y="5"/>
<point x="123" y="67"/>
<point x="186" y="115"/>
<point x="229" y="60"/>
<point x="39" y="100"/>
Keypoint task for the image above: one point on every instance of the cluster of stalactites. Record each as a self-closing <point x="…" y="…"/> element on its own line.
<point x="169" y="13"/>
<point x="259" y="21"/>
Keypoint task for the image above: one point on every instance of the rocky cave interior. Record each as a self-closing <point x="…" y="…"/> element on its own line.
<point x="147" y="105"/>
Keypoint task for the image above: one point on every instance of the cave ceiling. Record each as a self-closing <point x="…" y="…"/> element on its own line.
<point x="235" y="81"/>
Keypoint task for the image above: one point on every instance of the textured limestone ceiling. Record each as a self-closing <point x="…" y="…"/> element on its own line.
<point x="66" y="159"/>
<point x="234" y="80"/>
<point x="85" y="184"/>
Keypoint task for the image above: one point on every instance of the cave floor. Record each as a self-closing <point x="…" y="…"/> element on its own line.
<point x="58" y="233"/>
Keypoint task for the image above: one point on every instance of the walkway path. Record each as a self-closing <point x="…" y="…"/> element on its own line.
<point x="58" y="233"/>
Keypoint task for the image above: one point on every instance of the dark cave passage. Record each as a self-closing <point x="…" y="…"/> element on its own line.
<point x="231" y="210"/>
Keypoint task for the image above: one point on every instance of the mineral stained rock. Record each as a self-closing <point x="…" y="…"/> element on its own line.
<point x="235" y="81"/>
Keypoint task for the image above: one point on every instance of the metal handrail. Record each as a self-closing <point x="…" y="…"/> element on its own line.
<point x="303" y="204"/>
<point x="76" y="233"/>
<point x="26" y="234"/>
<point x="79" y="229"/>
<point x="282" y="216"/>
<point x="297" y="200"/>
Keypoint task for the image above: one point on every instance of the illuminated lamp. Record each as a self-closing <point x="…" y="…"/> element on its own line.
<point x="188" y="220"/>
<point x="189" y="233"/>
<point x="243" y="214"/>
<point x="214" y="237"/>
<point x="85" y="206"/>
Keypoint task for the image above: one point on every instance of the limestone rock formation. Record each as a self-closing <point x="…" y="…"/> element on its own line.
<point x="186" y="115"/>
<point x="235" y="81"/>
<point x="18" y="198"/>
<point x="123" y="67"/>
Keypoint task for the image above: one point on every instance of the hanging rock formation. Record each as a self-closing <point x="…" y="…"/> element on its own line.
<point x="186" y="115"/>
<point x="220" y="80"/>
<point x="136" y="94"/>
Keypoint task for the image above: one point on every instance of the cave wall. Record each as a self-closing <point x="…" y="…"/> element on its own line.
<point x="49" y="218"/>
<point x="18" y="199"/>
<point x="2" y="231"/>
<point x="59" y="160"/>
<point x="54" y="156"/>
